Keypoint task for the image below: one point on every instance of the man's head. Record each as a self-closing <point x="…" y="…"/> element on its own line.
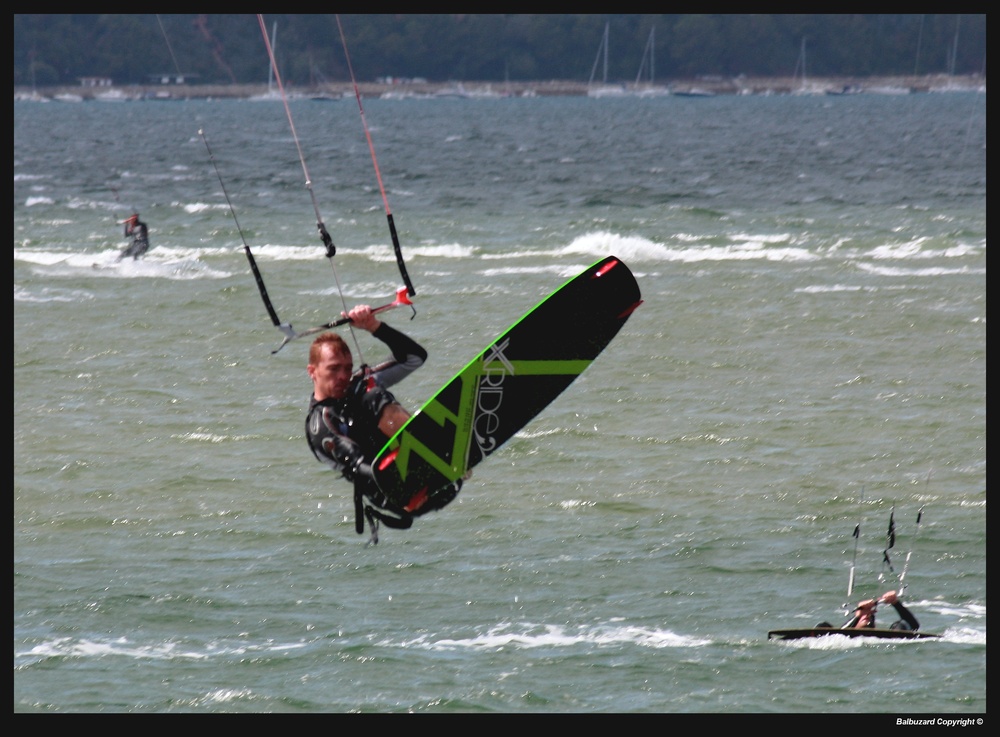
<point x="133" y="220"/>
<point x="330" y="367"/>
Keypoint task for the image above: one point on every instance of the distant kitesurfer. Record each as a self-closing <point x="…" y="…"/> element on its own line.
<point x="137" y="230"/>
<point x="864" y="615"/>
<point x="351" y="415"/>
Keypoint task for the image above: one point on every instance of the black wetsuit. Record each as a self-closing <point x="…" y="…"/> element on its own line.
<point x="140" y="239"/>
<point x="344" y="433"/>
<point x="907" y="621"/>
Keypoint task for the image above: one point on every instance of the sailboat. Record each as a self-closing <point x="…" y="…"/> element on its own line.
<point x="605" y="90"/>
<point x="825" y="629"/>
<point x="324" y="91"/>
<point x="272" y="94"/>
<point x="648" y="89"/>
<point x="804" y="87"/>
<point x="34" y="95"/>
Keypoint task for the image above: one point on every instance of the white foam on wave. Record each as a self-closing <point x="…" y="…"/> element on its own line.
<point x="196" y="207"/>
<point x="930" y="271"/>
<point x="382" y="253"/>
<point x="49" y="294"/>
<point x="921" y="248"/>
<point x="529" y="636"/>
<point x="375" y="253"/>
<point x="824" y="288"/>
<point x="167" y="263"/>
<point x="66" y="647"/>
<point x="741" y="247"/>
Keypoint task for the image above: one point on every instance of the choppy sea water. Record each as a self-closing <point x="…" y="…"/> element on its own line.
<point x="810" y="356"/>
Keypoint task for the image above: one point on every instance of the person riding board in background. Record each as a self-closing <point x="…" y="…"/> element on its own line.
<point x="864" y="615"/>
<point x="137" y="230"/>
<point x="352" y="415"/>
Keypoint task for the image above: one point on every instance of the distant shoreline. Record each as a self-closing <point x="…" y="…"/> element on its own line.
<point x="701" y="86"/>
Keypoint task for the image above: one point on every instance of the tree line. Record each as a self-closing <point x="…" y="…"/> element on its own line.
<point x="54" y="49"/>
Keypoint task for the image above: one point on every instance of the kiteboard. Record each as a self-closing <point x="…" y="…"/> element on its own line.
<point x="506" y="386"/>
<point x="888" y="634"/>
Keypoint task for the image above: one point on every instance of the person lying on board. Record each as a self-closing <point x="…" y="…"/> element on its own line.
<point x="352" y="415"/>
<point x="864" y="615"/>
<point x="137" y="229"/>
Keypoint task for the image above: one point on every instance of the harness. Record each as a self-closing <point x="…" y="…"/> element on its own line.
<point x="344" y="434"/>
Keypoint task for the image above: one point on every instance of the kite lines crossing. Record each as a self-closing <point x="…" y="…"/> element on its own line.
<point x="401" y="296"/>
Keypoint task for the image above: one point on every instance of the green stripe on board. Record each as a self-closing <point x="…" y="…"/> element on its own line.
<point x="547" y="368"/>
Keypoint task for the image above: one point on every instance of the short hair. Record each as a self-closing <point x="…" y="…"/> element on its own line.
<point x="336" y="343"/>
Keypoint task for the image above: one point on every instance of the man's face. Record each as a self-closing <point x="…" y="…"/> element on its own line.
<point x="331" y="375"/>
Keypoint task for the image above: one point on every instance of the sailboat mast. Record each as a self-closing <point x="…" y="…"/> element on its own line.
<point x="606" y="26"/>
<point x="647" y="52"/>
<point x="270" y="67"/>
<point x="954" y="48"/>
<point x="803" y="61"/>
<point x="652" y="45"/>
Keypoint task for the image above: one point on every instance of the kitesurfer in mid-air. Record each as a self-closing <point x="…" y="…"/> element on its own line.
<point x="137" y="230"/>
<point x="864" y="615"/>
<point x="351" y="415"/>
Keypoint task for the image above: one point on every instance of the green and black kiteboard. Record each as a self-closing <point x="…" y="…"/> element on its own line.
<point x="507" y="385"/>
